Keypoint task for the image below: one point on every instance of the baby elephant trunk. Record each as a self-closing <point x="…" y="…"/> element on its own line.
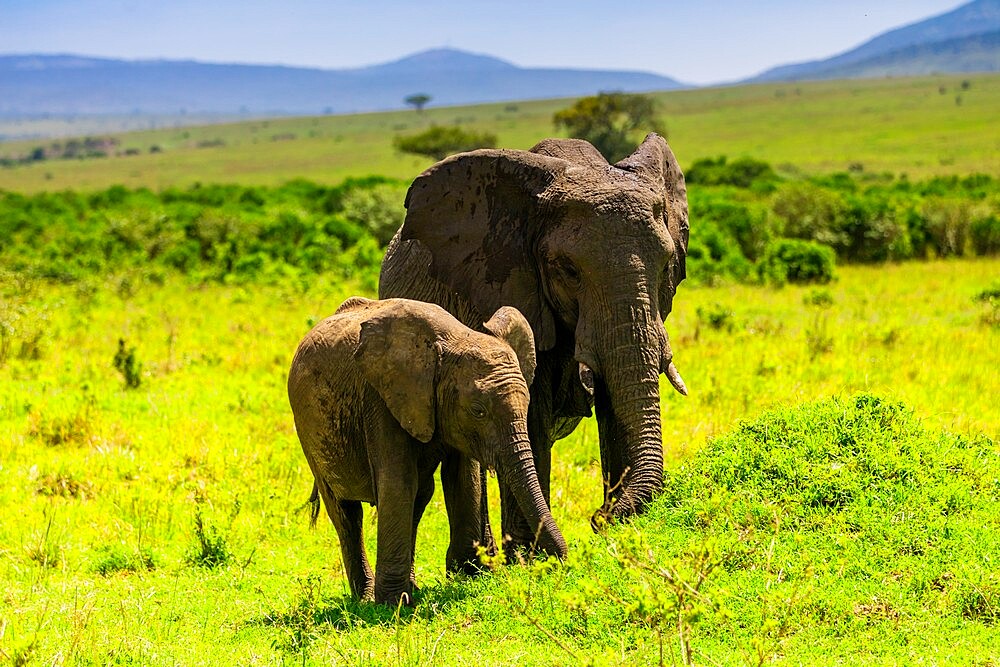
<point x="518" y="473"/>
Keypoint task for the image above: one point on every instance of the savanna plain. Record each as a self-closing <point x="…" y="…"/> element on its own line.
<point x="832" y="486"/>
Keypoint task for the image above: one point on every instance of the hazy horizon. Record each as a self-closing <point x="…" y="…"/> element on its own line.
<point x="702" y="44"/>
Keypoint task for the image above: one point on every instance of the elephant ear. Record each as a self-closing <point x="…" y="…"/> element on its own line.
<point x="478" y="213"/>
<point x="655" y="162"/>
<point x="577" y="151"/>
<point x="509" y="325"/>
<point x="398" y="355"/>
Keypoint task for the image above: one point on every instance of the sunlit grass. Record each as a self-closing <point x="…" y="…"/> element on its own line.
<point x="101" y="484"/>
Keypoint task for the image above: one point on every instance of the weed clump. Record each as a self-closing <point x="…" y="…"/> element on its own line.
<point x="126" y="363"/>
<point x="112" y="558"/>
<point x="64" y="485"/>
<point x="73" y="428"/>
<point x="210" y="548"/>
<point x="990" y="298"/>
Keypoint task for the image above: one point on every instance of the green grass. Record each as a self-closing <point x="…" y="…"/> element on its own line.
<point x="163" y="524"/>
<point x="903" y="125"/>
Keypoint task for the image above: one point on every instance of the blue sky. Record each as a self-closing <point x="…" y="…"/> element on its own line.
<point x="701" y="42"/>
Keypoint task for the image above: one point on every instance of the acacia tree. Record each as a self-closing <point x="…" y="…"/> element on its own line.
<point x="418" y="101"/>
<point x="608" y="119"/>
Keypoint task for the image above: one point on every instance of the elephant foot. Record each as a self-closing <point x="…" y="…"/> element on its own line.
<point x="396" y="599"/>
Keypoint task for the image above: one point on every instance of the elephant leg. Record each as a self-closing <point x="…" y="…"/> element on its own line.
<point x="425" y="490"/>
<point x="347" y="517"/>
<point x="394" y="462"/>
<point x="517" y="533"/>
<point x="462" y="480"/>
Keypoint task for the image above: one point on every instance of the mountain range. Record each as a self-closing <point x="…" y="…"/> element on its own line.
<point x="68" y="84"/>
<point x="966" y="39"/>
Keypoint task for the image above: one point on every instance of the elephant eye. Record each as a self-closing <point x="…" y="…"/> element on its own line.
<point x="478" y="410"/>
<point x="567" y="270"/>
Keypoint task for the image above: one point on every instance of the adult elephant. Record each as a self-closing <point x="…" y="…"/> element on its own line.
<point x="592" y="254"/>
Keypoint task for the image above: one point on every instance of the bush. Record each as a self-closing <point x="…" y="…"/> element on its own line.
<point x="713" y="254"/>
<point x="871" y="231"/>
<point x="947" y="225"/>
<point x="796" y="261"/>
<point x="811" y="213"/>
<point x="378" y="209"/>
<point x="742" y="172"/>
<point x="749" y="223"/>
<point x="439" y="142"/>
<point x="985" y="235"/>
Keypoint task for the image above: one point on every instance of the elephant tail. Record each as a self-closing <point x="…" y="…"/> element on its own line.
<point x="313" y="503"/>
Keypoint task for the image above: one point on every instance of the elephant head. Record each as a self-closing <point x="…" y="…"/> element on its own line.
<point x="463" y="388"/>
<point x="591" y="253"/>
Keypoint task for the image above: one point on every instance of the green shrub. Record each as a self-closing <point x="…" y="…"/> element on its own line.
<point x="749" y="223"/>
<point x="713" y="254"/>
<point x="947" y="225"/>
<point x="795" y="261"/>
<point x="210" y="548"/>
<point x="378" y="209"/>
<point x="112" y="558"/>
<point x="811" y="213"/>
<point x="742" y="172"/>
<point x="984" y="233"/>
<point x="871" y="230"/>
<point x="126" y="363"/>
<point x="439" y="142"/>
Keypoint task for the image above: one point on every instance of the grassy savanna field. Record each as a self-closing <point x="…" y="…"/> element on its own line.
<point x="833" y="480"/>
<point x="101" y="486"/>
<point x="921" y="126"/>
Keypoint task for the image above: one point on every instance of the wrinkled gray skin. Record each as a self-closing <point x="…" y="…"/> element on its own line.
<point x="592" y="254"/>
<point x="384" y="391"/>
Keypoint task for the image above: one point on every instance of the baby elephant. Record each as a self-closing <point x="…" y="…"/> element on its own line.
<point x="384" y="391"/>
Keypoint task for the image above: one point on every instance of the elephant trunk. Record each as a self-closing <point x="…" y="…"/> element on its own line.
<point x="627" y="404"/>
<point x="517" y="472"/>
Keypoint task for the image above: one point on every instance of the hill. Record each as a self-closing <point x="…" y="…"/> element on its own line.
<point x="973" y="53"/>
<point x="957" y="41"/>
<point x="70" y="84"/>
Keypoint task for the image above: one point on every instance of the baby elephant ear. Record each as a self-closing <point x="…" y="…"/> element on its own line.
<point x="398" y="356"/>
<point x="509" y="325"/>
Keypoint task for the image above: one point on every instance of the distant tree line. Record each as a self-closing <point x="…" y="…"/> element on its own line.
<point x="72" y="149"/>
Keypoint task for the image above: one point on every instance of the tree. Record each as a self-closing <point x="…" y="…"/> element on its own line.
<point x="439" y="142"/>
<point x="608" y="120"/>
<point x="418" y="101"/>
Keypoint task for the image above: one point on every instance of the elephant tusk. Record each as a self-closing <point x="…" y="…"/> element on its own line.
<point x="587" y="378"/>
<point x="675" y="379"/>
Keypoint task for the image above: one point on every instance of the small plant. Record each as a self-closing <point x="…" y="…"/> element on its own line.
<point x="299" y="624"/>
<point x="63" y="485"/>
<point x="112" y="558"/>
<point x="63" y="429"/>
<point x="128" y="365"/>
<point x="210" y="549"/>
<point x="990" y="298"/>
<point x="46" y="552"/>
<point x="818" y="338"/>
<point x="716" y="316"/>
